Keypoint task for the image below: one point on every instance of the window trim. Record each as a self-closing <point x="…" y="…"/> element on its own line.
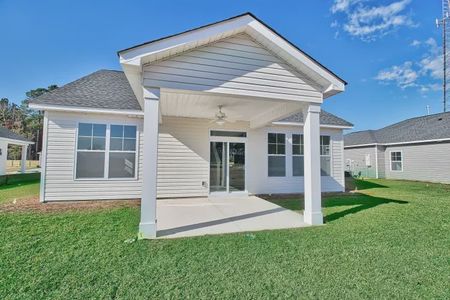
<point x="298" y="155"/>
<point x="390" y="160"/>
<point x="277" y="155"/>
<point x="329" y="155"/>
<point x="106" y="151"/>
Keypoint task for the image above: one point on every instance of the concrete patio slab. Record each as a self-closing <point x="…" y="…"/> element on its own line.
<point x="201" y="216"/>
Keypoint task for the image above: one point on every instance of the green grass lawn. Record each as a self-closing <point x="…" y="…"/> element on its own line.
<point x="390" y="241"/>
<point x="18" y="191"/>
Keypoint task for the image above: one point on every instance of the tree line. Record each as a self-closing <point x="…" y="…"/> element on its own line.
<point x="24" y="121"/>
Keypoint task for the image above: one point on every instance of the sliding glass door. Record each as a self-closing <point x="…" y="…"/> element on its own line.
<point x="227" y="167"/>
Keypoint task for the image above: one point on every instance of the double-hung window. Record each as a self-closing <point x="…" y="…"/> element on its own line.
<point x="396" y="161"/>
<point x="325" y="155"/>
<point x="276" y="154"/>
<point x="96" y="158"/>
<point x="122" y="151"/>
<point x="91" y="152"/>
<point x="298" y="161"/>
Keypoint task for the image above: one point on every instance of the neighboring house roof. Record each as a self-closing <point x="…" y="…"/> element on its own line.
<point x="326" y="118"/>
<point x="8" y="134"/>
<point x="110" y="89"/>
<point x="105" y="89"/>
<point x="418" y="129"/>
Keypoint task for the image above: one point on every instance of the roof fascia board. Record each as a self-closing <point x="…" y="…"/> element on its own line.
<point x="63" y="108"/>
<point x="258" y="27"/>
<point x="362" y="145"/>
<point x="16" y="142"/>
<point x="401" y="143"/>
<point x="134" y="55"/>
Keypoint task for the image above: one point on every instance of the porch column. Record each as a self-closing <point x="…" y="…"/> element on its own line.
<point x="3" y="156"/>
<point x="311" y="132"/>
<point x="147" y="225"/>
<point x="23" y="163"/>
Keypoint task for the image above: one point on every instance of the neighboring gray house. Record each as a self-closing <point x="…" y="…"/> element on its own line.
<point x="414" y="149"/>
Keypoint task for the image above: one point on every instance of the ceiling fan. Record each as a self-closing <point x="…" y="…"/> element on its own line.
<point x="220" y="117"/>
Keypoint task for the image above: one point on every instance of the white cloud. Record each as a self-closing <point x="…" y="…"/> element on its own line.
<point x="342" y="5"/>
<point x="431" y="64"/>
<point x="371" y="22"/>
<point x="403" y="75"/>
<point x="415" y="43"/>
<point x="421" y="74"/>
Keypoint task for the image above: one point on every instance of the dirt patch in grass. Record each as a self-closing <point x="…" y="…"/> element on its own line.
<point x="32" y="204"/>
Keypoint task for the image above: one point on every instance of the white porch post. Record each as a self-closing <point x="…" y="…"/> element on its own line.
<point x="3" y="156"/>
<point x="311" y="132"/>
<point x="147" y="225"/>
<point x="23" y="163"/>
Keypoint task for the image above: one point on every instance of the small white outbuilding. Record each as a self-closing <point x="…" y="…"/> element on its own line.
<point x="8" y="137"/>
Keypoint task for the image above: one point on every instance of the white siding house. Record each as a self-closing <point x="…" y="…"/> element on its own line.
<point x="228" y="108"/>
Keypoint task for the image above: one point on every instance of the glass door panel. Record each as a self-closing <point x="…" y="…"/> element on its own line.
<point x="236" y="159"/>
<point x="218" y="167"/>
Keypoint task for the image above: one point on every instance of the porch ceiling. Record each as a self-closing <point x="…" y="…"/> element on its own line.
<point x="205" y="105"/>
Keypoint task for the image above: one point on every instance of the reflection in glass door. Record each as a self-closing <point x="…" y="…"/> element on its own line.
<point x="236" y="161"/>
<point x="227" y="167"/>
<point x="218" y="167"/>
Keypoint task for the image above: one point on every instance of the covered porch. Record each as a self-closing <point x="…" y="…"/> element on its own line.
<point x="8" y="138"/>
<point x="219" y="215"/>
<point x="231" y="210"/>
<point x="241" y="69"/>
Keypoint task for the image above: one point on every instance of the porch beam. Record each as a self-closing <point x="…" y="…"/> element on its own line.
<point x="277" y="112"/>
<point x="312" y="180"/>
<point x="147" y="225"/>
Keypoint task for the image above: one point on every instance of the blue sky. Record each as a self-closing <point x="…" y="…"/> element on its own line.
<point x="388" y="51"/>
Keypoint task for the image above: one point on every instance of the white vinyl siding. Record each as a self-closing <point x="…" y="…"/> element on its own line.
<point x="60" y="183"/>
<point x="183" y="160"/>
<point x="355" y="161"/>
<point x="236" y="65"/>
<point x="424" y="162"/>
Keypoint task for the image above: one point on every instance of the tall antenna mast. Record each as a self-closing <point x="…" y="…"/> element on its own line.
<point x="444" y="23"/>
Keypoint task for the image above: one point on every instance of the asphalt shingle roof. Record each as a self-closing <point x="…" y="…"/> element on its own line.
<point x="8" y="134"/>
<point x="326" y="118"/>
<point x="106" y="89"/>
<point x="431" y="127"/>
<point x="109" y="89"/>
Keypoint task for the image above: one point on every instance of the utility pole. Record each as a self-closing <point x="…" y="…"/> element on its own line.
<point x="444" y="22"/>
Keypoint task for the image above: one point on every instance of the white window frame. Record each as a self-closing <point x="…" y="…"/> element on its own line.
<point x="401" y="160"/>
<point x="329" y="155"/>
<point x="298" y="155"/>
<point x="107" y="151"/>
<point x="277" y="155"/>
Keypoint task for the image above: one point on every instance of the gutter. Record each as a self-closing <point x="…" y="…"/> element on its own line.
<point x="400" y="143"/>
<point x="46" y="107"/>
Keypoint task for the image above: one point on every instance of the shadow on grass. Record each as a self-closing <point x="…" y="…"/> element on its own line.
<point x="365" y="185"/>
<point x="17" y="184"/>
<point x="358" y="202"/>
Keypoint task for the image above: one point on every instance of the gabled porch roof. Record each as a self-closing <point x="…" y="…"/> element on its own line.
<point x="132" y="59"/>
